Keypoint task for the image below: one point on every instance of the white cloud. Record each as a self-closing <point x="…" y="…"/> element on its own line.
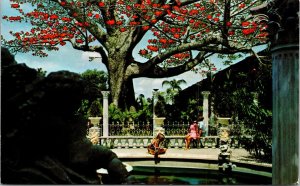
<point x="146" y="85"/>
<point x="50" y="66"/>
<point x="66" y="58"/>
<point x="85" y="56"/>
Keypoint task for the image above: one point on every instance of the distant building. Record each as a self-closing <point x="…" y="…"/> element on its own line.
<point x="250" y="68"/>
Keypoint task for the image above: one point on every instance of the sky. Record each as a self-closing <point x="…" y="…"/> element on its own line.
<point x="77" y="61"/>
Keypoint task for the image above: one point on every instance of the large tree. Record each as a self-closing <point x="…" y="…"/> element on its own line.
<point x="181" y="34"/>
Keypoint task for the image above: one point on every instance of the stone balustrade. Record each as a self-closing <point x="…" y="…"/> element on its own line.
<point x="170" y="142"/>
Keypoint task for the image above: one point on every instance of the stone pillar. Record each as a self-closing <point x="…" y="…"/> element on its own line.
<point x="205" y="110"/>
<point x="285" y="75"/>
<point x="285" y="152"/>
<point x="105" y="113"/>
<point x="283" y="29"/>
<point x="154" y="116"/>
<point x="285" y="114"/>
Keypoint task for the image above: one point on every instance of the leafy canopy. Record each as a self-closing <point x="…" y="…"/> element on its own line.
<point x="177" y="27"/>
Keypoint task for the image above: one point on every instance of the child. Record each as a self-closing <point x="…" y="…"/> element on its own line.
<point x="155" y="147"/>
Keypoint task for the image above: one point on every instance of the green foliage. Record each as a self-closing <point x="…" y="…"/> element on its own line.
<point x="96" y="81"/>
<point x="41" y="73"/>
<point x="258" y="123"/>
<point x="229" y="58"/>
<point x="192" y="111"/>
<point x="83" y="109"/>
<point x="246" y="97"/>
<point x="160" y="106"/>
<point x="227" y="62"/>
<point x="144" y="108"/>
<point x="117" y="115"/>
<point x="173" y="90"/>
<point x="95" y="109"/>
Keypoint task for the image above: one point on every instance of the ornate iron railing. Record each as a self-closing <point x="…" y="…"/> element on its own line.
<point x="139" y="135"/>
<point x="171" y="129"/>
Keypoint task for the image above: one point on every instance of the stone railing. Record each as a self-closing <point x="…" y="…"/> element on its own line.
<point x="170" y="142"/>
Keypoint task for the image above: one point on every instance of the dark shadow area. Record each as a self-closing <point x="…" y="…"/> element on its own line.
<point x="43" y="139"/>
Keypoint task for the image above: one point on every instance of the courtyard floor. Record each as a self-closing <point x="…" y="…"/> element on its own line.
<point x="186" y="158"/>
<point x="201" y="161"/>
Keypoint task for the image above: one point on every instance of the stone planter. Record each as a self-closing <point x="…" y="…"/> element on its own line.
<point x="95" y="120"/>
<point x="223" y="121"/>
<point x="157" y="125"/>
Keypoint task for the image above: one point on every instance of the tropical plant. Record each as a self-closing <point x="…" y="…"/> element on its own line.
<point x="115" y="114"/>
<point x="95" y="82"/>
<point x="175" y="35"/>
<point x="160" y="106"/>
<point x="246" y="97"/>
<point x="144" y="109"/>
<point x="95" y="109"/>
<point x="141" y="101"/>
<point x="173" y="90"/>
<point x="83" y="109"/>
<point x="41" y="73"/>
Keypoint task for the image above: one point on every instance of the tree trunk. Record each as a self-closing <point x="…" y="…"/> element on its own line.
<point x="127" y="97"/>
<point x="116" y="79"/>
<point x="121" y="87"/>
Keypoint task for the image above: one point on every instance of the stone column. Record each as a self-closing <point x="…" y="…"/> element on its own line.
<point x="205" y="110"/>
<point x="284" y="36"/>
<point x="285" y="75"/>
<point x="105" y="113"/>
<point x="154" y="116"/>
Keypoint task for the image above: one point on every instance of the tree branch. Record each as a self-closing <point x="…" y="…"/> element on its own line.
<point x="159" y="72"/>
<point x="212" y="44"/>
<point x="216" y="40"/>
<point x="94" y="29"/>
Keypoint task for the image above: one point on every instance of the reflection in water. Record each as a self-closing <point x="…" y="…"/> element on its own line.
<point x="175" y="180"/>
<point x="180" y="176"/>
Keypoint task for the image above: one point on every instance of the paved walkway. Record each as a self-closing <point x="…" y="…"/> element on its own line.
<point x="237" y="156"/>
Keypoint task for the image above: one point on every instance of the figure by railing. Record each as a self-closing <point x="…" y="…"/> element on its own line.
<point x="171" y="129"/>
<point x="139" y="134"/>
<point x="170" y="142"/>
<point x="145" y="129"/>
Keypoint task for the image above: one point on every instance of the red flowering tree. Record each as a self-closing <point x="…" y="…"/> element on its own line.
<point x="184" y="34"/>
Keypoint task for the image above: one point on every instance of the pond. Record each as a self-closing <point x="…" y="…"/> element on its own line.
<point x="147" y="175"/>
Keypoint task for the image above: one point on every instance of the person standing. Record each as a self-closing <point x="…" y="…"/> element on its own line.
<point x="201" y="128"/>
<point x="201" y="124"/>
